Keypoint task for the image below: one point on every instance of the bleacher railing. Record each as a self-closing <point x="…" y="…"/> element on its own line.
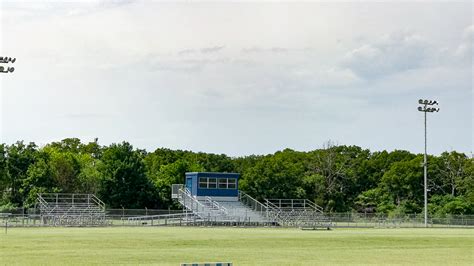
<point x="62" y="199"/>
<point x="164" y="219"/>
<point x="191" y="203"/>
<point x="293" y="204"/>
<point x="265" y="210"/>
<point x="216" y="206"/>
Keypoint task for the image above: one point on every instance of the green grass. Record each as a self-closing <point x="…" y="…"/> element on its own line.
<point x="242" y="246"/>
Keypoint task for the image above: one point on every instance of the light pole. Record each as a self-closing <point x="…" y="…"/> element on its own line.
<point x="5" y="69"/>
<point x="426" y="108"/>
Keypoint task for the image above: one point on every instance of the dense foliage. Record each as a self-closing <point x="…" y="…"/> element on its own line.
<point x="339" y="178"/>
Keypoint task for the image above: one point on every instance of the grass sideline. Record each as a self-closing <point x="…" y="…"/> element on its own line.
<point x="242" y="246"/>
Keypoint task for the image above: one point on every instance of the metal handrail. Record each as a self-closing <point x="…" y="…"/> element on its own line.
<point x="291" y="204"/>
<point x="184" y="194"/>
<point x="157" y="217"/>
<point x="42" y="202"/>
<point x="270" y="204"/>
<point x="216" y="205"/>
<point x="315" y="206"/>
<point x="209" y="202"/>
<point x="263" y="208"/>
<point x="99" y="202"/>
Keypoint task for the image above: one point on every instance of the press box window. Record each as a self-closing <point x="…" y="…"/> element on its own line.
<point x="212" y="183"/>
<point x="231" y="183"/>
<point x="202" y="182"/>
<point x="222" y="182"/>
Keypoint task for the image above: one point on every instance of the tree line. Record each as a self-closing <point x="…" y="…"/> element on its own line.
<point x="337" y="177"/>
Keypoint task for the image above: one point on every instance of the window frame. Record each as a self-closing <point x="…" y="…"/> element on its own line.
<point x="212" y="184"/>
<point x="222" y="181"/>
<point x="217" y="183"/>
<point x="232" y="182"/>
<point x="203" y="184"/>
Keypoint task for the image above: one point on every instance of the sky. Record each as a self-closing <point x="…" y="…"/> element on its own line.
<point x="238" y="78"/>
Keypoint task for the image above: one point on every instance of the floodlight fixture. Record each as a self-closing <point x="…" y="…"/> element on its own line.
<point x="6" y="60"/>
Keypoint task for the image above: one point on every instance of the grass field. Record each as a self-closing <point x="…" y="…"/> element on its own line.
<point x="242" y="246"/>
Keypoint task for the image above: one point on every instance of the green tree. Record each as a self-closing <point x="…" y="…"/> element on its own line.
<point x="212" y="162"/>
<point x="123" y="179"/>
<point x="380" y="162"/>
<point x="332" y="176"/>
<point x="89" y="179"/>
<point x="19" y="158"/>
<point x="65" y="168"/>
<point x="173" y="173"/>
<point x="404" y="183"/>
<point x="466" y="185"/>
<point x="441" y="205"/>
<point x="39" y="180"/>
<point x="277" y="176"/>
<point x="4" y="178"/>
<point x="452" y="170"/>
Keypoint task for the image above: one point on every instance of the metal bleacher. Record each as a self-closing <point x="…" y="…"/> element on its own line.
<point x="246" y="210"/>
<point x="209" y="211"/>
<point x="218" y="211"/>
<point x="64" y="209"/>
<point x="301" y="213"/>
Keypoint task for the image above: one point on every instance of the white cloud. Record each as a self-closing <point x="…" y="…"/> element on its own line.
<point x="465" y="49"/>
<point x="388" y="55"/>
<point x="211" y="49"/>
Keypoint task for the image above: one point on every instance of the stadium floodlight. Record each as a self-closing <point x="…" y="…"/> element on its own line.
<point x="426" y="109"/>
<point x="6" y="60"/>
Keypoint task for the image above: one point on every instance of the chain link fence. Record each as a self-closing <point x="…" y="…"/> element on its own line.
<point x="406" y="220"/>
<point x="22" y="217"/>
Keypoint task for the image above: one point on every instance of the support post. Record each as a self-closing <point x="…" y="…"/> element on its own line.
<point x="425" y="178"/>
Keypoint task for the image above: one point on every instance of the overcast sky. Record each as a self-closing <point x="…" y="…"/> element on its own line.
<point x="238" y="78"/>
